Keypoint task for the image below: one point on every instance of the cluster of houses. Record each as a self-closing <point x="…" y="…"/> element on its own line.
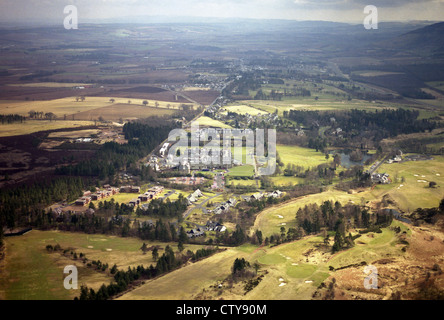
<point x="130" y="189"/>
<point x="109" y="191"/>
<point x="187" y="180"/>
<point x="150" y="194"/>
<point x="88" y="196"/>
<point x="259" y="195"/>
<point x="382" y="178"/>
<point x="210" y="226"/>
<point x="224" y="206"/>
<point x="83" y="140"/>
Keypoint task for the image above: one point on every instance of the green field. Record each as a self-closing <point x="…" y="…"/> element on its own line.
<point x="31" y="126"/>
<point x="207" y="121"/>
<point x="33" y="273"/>
<point x="241" y="171"/>
<point x="299" y="156"/>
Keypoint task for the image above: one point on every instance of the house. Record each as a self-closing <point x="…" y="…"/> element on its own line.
<point x="256" y="196"/>
<point x="134" y="202"/>
<point x="82" y="201"/>
<point x="96" y="196"/>
<point x="130" y="189"/>
<point x="145" y="197"/>
<point x="382" y="178"/>
<point x="197" y="232"/>
<point x="215" y="226"/>
<point x="225" y="206"/>
<point x="275" y="194"/>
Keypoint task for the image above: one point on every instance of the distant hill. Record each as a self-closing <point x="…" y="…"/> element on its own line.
<point x="428" y="40"/>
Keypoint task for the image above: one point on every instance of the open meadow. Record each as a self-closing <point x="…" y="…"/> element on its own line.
<point x="31" y="272"/>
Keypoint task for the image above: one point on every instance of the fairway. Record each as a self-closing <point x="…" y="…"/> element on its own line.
<point x="186" y="282"/>
<point x="410" y="183"/>
<point x="270" y="220"/>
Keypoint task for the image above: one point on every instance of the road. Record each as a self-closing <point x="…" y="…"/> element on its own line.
<point x="378" y="165"/>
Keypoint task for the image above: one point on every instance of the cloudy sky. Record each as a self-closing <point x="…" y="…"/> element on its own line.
<point x="23" y="11"/>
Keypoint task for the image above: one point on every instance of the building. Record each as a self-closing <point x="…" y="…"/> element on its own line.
<point x="129" y="189"/>
<point x="382" y="178"/>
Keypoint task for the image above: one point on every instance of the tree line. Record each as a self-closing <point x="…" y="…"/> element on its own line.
<point x="112" y="157"/>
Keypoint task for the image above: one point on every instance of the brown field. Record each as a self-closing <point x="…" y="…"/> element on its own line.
<point x="122" y="111"/>
<point x="204" y="97"/>
<point x="399" y="277"/>
<point x="31" y="92"/>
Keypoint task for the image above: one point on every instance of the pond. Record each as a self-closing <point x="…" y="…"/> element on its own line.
<point x="345" y="158"/>
<point x="397" y="215"/>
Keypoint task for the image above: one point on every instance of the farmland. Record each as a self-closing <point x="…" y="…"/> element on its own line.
<point x="86" y="115"/>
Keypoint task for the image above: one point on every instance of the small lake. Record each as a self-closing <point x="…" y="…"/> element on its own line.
<point x="397" y="215"/>
<point x="345" y="158"/>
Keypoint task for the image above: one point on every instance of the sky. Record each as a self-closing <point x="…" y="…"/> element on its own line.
<point x="349" y="11"/>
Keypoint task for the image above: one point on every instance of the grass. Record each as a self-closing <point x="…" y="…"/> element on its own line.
<point x="270" y="220"/>
<point x="34" y="273"/>
<point x="241" y="171"/>
<point x="299" y="156"/>
<point x="31" y="126"/>
<point x="207" y="121"/>
<point x="414" y="193"/>
<point x="244" y="109"/>
<point x="188" y="280"/>
<point x="286" y="180"/>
